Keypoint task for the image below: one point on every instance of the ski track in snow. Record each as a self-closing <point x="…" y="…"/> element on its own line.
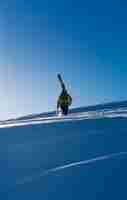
<point x="74" y="164"/>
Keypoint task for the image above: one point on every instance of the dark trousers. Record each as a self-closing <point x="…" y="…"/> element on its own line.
<point x="64" y="109"/>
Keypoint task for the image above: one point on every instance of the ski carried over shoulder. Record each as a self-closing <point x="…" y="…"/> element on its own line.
<point x="61" y="82"/>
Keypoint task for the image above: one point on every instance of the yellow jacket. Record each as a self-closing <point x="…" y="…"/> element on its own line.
<point x="64" y="100"/>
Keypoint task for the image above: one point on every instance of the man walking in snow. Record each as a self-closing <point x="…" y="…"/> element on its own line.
<point x="64" y="100"/>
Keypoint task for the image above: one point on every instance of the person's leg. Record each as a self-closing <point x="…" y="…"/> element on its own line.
<point x="62" y="110"/>
<point x="65" y="111"/>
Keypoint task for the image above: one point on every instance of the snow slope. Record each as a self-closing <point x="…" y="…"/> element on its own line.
<point x="81" y="156"/>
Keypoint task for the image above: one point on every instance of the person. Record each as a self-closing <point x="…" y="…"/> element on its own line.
<point x="64" y="100"/>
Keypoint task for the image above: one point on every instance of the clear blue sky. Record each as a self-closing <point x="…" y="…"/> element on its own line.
<point x="86" y="41"/>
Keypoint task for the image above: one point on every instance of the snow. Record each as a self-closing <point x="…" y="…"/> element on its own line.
<point x="80" y="156"/>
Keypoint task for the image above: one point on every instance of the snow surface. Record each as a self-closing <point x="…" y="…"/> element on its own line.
<point x="81" y="156"/>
